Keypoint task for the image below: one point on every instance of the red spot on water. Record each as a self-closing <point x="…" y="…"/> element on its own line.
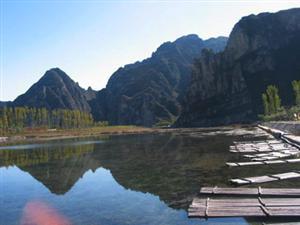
<point x="40" y="213"/>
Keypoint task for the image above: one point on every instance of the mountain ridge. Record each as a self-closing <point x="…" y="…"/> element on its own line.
<point x="196" y="82"/>
<point x="141" y="93"/>
<point x="226" y="88"/>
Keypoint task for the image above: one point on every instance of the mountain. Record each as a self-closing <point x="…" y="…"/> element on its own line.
<point x="150" y="91"/>
<point x="56" y="90"/>
<point x="226" y="87"/>
<point x="142" y="93"/>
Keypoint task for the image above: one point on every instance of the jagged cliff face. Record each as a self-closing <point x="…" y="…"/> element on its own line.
<point x="56" y="90"/>
<point x="227" y="87"/>
<point x="152" y="90"/>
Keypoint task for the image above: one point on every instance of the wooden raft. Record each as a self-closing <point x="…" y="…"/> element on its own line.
<point x="266" y="162"/>
<point x="263" y="147"/>
<point x="275" y="207"/>
<point x="266" y="178"/>
<point x="282" y="192"/>
<point x="269" y="150"/>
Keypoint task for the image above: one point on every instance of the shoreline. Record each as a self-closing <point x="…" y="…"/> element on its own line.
<point x="50" y="134"/>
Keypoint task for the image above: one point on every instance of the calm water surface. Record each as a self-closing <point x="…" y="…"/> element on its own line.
<point x="132" y="179"/>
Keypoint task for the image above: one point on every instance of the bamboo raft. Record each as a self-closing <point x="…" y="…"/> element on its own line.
<point x="268" y="150"/>
<point x="282" y="192"/>
<point x="277" y="146"/>
<point x="266" y="178"/>
<point x="257" y="206"/>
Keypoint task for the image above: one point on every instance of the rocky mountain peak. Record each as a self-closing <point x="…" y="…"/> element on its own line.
<point x="226" y="88"/>
<point x="55" y="90"/>
<point x="263" y="31"/>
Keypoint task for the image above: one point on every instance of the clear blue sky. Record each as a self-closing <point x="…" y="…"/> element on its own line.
<point x="89" y="40"/>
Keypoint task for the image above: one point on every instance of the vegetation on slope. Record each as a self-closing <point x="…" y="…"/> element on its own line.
<point x="272" y="104"/>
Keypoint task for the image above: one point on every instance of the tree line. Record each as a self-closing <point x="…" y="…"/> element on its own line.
<point x="273" y="109"/>
<point x="14" y="119"/>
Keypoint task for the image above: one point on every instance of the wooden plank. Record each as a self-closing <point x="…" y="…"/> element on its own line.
<point x="293" y="160"/>
<point x="245" y="202"/>
<point x="284" y="176"/>
<point x="230" y="191"/>
<point x="261" y="162"/>
<point x="256" y="211"/>
<point x="270" y="141"/>
<point x="232" y="164"/>
<point x="268" y="162"/>
<point x="282" y="192"/>
<point x="226" y="212"/>
<point x="250" y="163"/>
<point x="240" y="181"/>
<point x="285" y="211"/>
<point x="260" y="179"/>
<point x="266" y="178"/>
<point x="272" y="155"/>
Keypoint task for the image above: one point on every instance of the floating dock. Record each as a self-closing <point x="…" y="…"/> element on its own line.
<point x="265" y="150"/>
<point x="259" y="207"/>
<point x="284" y="205"/>
<point x="255" y="202"/>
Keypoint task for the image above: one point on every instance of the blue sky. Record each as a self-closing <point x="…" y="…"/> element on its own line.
<point x="89" y="40"/>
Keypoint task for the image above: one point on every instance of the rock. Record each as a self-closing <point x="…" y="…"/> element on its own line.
<point x="56" y="90"/>
<point x="226" y="87"/>
<point x="147" y="92"/>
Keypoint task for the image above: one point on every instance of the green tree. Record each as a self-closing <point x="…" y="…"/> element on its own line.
<point x="271" y="100"/>
<point x="266" y="104"/>
<point x="296" y="87"/>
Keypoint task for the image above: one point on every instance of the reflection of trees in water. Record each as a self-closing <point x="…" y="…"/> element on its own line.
<point x="169" y="166"/>
<point x="41" y="155"/>
<point x="57" y="167"/>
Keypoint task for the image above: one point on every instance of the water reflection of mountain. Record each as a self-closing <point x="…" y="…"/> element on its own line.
<point x="169" y="166"/>
<point x="58" y="168"/>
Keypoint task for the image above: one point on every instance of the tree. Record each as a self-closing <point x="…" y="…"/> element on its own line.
<point x="271" y="100"/>
<point x="266" y="104"/>
<point x="14" y="119"/>
<point x="296" y="87"/>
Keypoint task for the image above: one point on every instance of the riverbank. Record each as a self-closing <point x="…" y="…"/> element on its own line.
<point x="40" y="135"/>
<point x="37" y="135"/>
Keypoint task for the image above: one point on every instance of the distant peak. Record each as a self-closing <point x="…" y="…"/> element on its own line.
<point x="188" y="37"/>
<point x="56" y="71"/>
<point x="217" y="38"/>
<point x="55" y="74"/>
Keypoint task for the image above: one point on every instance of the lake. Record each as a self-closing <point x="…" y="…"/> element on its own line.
<point x="128" y="179"/>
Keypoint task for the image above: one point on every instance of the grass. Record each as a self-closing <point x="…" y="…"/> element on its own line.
<point x="36" y="134"/>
